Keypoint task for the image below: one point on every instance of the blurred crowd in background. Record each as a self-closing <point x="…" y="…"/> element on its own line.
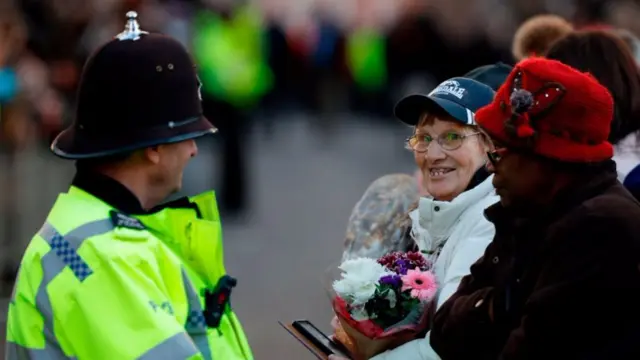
<point x="315" y="55"/>
<point x="257" y="60"/>
<point x="264" y="57"/>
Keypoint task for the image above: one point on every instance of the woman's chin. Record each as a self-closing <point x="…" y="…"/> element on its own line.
<point x="440" y="193"/>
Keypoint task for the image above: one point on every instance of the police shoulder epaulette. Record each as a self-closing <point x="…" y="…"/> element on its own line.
<point x="123" y="220"/>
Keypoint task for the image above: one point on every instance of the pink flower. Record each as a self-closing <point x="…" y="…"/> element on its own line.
<point x="422" y="284"/>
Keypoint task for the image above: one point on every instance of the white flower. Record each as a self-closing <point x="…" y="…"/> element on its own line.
<point x="359" y="280"/>
<point x="359" y="314"/>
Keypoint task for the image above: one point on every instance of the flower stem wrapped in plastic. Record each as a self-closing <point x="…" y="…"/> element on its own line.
<point x="381" y="303"/>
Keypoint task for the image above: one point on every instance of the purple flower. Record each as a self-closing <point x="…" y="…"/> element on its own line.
<point x="393" y="280"/>
<point x="402" y="266"/>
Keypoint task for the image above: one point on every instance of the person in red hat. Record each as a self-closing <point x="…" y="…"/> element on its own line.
<point x="561" y="279"/>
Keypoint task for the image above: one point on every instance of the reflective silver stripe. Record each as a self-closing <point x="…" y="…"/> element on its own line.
<point x="195" y="325"/>
<point x="176" y="347"/>
<point x="14" y="351"/>
<point x="66" y="247"/>
<point x="78" y="235"/>
<point x="53" y="264"/>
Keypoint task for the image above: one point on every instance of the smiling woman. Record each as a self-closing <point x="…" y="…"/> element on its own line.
<point x="448" y="154"/>
<point x="451" y="153"/>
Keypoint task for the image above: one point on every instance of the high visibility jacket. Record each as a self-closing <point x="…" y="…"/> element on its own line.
<point x="232" y="56"/>
<point x="366" y="59"/>
<point x="98" y="284"/>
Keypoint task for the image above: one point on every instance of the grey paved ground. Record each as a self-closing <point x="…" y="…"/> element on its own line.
<point x="305" y="180"/>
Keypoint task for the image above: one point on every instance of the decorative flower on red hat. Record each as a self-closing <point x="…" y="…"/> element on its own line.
<point x="527" y="106"/>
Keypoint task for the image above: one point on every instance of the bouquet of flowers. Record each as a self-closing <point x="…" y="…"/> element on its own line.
<point x="382" y="303"/>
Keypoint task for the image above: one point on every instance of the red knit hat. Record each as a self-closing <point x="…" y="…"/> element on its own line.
<point x="552" y="110"/>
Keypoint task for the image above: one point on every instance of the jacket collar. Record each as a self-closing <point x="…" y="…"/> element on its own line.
<point x="191" y="228"/>
<point x="439" y="218"/>
<point x="108" y="190"/>
<point x="119" y="197"/>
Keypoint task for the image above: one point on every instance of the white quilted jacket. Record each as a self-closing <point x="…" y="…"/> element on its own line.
<point x="460" y="233"/>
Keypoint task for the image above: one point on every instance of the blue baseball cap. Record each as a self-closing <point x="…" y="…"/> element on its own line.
<point x="458" y="97"/>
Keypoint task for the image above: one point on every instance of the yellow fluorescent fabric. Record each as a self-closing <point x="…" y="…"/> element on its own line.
<point x="88" y="289"/>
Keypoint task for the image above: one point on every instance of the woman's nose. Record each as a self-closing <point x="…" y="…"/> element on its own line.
<point x="194" y="149"/>
<point x="435" y="152"/>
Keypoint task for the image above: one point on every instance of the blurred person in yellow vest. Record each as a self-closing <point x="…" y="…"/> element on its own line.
<point x="113" y="273"/>
<point x="366" y="53"/>
<point x="366" y="58"/>
<point x="229" y="48"/>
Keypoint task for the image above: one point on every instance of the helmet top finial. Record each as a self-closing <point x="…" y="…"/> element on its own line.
<point x="132" y="29"/>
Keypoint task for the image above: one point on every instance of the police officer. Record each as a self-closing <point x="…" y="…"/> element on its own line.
<point x="112" y="274"/>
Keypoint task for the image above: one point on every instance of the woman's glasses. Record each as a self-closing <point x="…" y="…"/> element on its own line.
<point x="447" y="141"/>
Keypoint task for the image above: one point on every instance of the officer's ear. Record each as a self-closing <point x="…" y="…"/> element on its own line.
<point x="152" y="154"/>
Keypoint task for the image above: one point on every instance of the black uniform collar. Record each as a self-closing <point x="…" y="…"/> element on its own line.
<point x="108" y="190"/>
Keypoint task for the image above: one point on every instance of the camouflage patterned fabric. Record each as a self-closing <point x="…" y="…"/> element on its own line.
<point x="379" y="222"/>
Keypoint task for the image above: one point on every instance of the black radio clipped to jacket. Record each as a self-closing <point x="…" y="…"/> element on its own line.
<point x="216" y="300"/>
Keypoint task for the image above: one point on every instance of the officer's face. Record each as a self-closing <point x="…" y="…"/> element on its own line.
<point x="172" y="160"/>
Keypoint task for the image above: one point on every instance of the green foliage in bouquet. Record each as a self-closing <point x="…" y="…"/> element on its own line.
<point x="390" y="305"/>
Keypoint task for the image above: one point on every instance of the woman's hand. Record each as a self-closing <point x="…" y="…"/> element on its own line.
<point x="335" y="323"/>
